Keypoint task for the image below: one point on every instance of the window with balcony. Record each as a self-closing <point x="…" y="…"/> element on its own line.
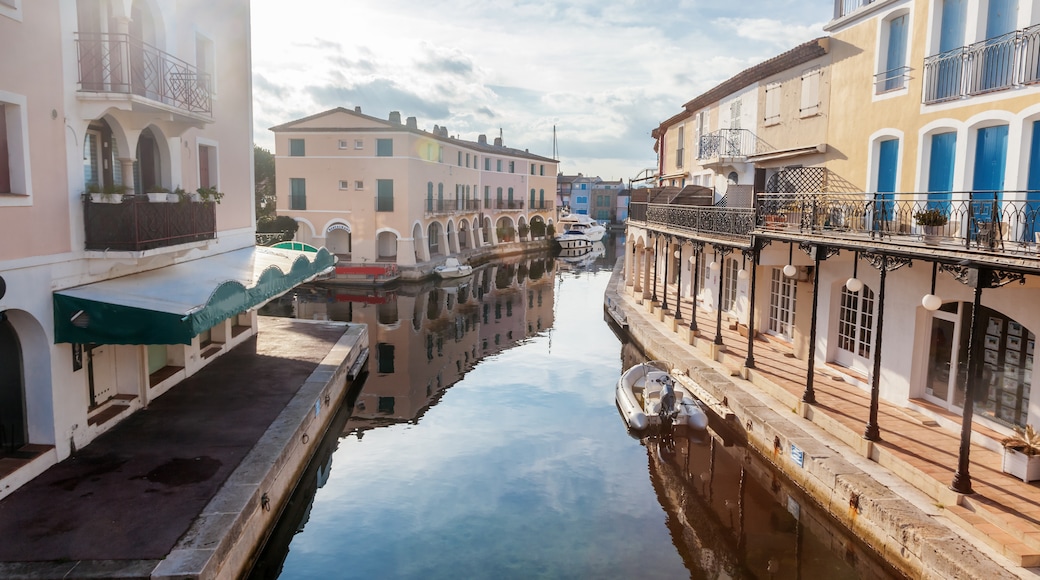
<point x="297" y="193"/>
<point x="205" y="63"/>
<point x="297" y="148"/>
<point x="384" y="195"/>
<point x="893" y="69"/>
<point x="942" y="157"/>
<point x="772" y="116"/>
<point x="384" y="147"/>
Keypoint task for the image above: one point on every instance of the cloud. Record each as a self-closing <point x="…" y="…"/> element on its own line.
<point x="385" y="93"/>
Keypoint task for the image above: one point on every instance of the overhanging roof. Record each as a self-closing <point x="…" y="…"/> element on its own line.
<point x="171" y="305"/>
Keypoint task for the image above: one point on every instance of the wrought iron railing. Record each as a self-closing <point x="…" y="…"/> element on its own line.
<point x="731" y="143"/>
<point x="891" y="80"/>
<point x="988" y="220"/>
<point x="137" y="224"/>
<point x="845" y="7"/>
<point x="451" y="205"/>
<point x="731" y="223"/>
<point x="506" y="204"/>
<point x="541" y="205"/>
<point x="120" y="63"/>
<point x="994" y="64"/>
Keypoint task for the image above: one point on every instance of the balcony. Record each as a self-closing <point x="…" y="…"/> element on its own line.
<point x="1004" y="222"/>
<point x="451" y="205"/>
<point x="735" y="224"/>
<point x="137" y="224"/>
<point x="506" y="204"/>
<point x="123" y="65"/>
<point x="730" y="145"/>
<point x="542" y="205"/>
<point x="843" y="8"/>
<point x="994" y="64"/>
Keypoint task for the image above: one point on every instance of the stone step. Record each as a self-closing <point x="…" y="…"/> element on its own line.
<point x="1021" y="547"/>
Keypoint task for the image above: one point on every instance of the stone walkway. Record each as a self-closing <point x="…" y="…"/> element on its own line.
<point x="1003" y="513"/>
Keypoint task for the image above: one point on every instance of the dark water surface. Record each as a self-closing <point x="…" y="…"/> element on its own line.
<point x="485" y="443"/>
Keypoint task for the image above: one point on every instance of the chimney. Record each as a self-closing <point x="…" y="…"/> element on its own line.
<point x="395" y="117"/>
<point x="412" y="123"/>
<point x="357" y="108"/>
<point x="482" y="139"/>
<point x="498" y="141"/>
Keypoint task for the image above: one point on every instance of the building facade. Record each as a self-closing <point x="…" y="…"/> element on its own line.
<point x="379" y="190"/>
<point x="110" y="110"/>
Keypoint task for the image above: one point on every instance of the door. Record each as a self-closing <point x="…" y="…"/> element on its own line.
<point x="940" y="170"/>
<point x="12" y="391"/>
<point x="988" y="180"/>
<point x="1032" y="207"/>
<point x="101" y="373"/>
<point x="888" y="164"/>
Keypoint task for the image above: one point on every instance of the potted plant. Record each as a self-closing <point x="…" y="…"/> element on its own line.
<point x="931" y="221"/>
<point x="158" y="194"/>
<point x="524" y="229"/>
<point x="1022" y="454"/>
<point x="209" y="194"/>
<point x="107" y="194"/>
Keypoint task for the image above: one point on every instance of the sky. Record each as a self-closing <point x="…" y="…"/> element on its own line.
<point x="604" y="73"/>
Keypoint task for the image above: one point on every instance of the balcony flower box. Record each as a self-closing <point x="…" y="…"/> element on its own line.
<point x="108" y="194"/>
<point x="1022" y="454"/>
<point x="159" y="194"/>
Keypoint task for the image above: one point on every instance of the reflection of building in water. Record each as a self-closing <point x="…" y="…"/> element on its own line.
<point x="426" y="336"/>
<point x="732" y="516"/>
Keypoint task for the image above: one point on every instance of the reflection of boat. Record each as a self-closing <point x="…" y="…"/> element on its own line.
<point x="452" y="268"/>
<point x="584" y="255"/>
<point x="647" y="395"/>
<point x="579" y="231"/>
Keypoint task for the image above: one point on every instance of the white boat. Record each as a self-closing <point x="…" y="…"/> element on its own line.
<point x="452" y="268"/>
<point x="647" y="395"/>
<point x="579" y="231"/>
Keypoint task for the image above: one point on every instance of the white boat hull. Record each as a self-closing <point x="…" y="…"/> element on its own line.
<point x="639" y="395"/>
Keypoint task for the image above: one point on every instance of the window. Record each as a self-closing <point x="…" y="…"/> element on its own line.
<point x="440" y="154"/>
<point x="679" y="149"/>
<point x="856" y="321"/>
<point x="359" y="143"/>
<point x="359" y="185"/>
<point x="385" y="358"/>
<point x="541" y="169"/>
<point x="297" y="193"/>
<point x="810" y="103"/>
<point x="344" y="184"/>
<point x="208" y="166"/>
<point x="532" y="169"/>
<point x="384" y="195"/>
<point x="893" y="63"/>
<point x="729" y="285"/>
<point x="343" y="144"/>
<point x="476" y="162"/>
<point x="772" y="104"/>
<point x="512" y="167"/>
<point x="734" y="114"/>
<point x="584" y="186"/>
<point x="384" y="147"/>
<point x="487" y="164"/>
<point x="15" y="176"/>
<point x="467" y="160"/>
<point x="782" y="295"/>
<point x="296" y="148"/>
<point x="487" y="195"/>
<point x="498" y="165"/>
<point x="460" y="159"/>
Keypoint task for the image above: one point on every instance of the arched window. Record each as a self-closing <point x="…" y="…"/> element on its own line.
<point x="856" y="322"/>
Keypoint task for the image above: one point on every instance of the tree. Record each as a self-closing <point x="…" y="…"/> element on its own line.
<point x="263" y="167"/>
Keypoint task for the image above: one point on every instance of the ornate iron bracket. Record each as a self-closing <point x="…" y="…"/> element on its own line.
<point x="828" y="251"/>
<point x="997" y="278"/>
<point x="885" y="261"/>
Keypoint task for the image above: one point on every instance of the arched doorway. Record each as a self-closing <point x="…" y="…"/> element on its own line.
<point x="434" y="239"/>
<point x="338" y="242"/>
<point x="463" y="235"/>
<point x="13" y="432"/>
<point x="386" y="247"/>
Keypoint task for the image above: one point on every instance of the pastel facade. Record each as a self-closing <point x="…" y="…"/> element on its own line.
<point x="920" y="148"/>
<point x="128" y="100"/>
<point x="375" y="190"/>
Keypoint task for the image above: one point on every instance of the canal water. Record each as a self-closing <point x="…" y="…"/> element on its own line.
<point x="485" y="443"/>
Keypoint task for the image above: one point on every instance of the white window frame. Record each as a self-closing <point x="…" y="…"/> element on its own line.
<point x="857" y="332"/>
<point x="343" y="144"/>
<point x="11" y="9"/>
<point x="772" y="113"/>
<point x="214" y="161"/>
<point x="18" y="150"/>
<point x="359" y="143"/>
<point x="783" y="300"/>
<point x="359" y="184"/>
<point x="728" y="300"/>
<point x="210" y="64"/>
<point x="344" y="184"/>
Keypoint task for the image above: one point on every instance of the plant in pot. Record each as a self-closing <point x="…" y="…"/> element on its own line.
<point x="209" y="194"/>
<point x="1022" y="454"/>
<point x="157" y="193"/>
<point x="108" y="194"/>
<point x="524" y="229"/>
<point x="932" y="221"/>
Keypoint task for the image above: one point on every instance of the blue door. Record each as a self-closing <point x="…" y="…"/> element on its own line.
<point x="888" y="161"/>
<point x="1032" y="208"/>
<point x="988" y="182"/>
<point x="940" y="171"/>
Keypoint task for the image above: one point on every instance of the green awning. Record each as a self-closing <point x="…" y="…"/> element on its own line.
<point x="171" y="305"/>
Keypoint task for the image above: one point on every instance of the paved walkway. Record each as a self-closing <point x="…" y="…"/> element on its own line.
<point x="133" y="492"/>
<point x="1003" y="513"/>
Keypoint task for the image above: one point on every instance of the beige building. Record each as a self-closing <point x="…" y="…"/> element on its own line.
<point x="113" y="287"/>
<point x="379" y="190"/>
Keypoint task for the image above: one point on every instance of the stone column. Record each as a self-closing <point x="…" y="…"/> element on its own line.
<point x="127" y="165"/>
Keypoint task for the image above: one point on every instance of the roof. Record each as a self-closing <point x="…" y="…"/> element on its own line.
<point x="483" y="147"/>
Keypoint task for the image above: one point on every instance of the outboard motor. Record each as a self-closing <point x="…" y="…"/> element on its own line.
<point x="668" y="410"/>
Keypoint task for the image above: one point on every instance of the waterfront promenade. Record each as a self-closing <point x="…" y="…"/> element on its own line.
<point x="188" y="486"/>
<point x="894" y="493"/>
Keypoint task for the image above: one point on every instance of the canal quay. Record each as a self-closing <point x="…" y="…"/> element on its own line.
<point x="485" y="443"/>
<point x="188" y="487"/>
<point x="817" y="446"/>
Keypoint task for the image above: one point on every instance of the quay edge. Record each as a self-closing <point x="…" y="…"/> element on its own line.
<point x="908" y="538"/>
<point x="225" y="538"/>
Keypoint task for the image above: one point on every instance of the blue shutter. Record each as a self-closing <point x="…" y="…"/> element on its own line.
<point x="940" y="170"/>
<point x="1032" y="208"/>
<point x="888" y="162"/>
<point x="896" y="58"/>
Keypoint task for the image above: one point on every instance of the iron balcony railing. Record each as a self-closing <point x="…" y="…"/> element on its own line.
<point x="451" y="205"/>
<point x="506" y="204"/>
<point x="730" y="223"/>
<point x="137" y="224"/>
<point x="120" y="63"/>
<point x="731" y="143"/>
<point x="541" y="205"/>
<point x="994" y="64"/>
<point x="843" y="8"/>
<point x="975" y="220"/>
<point x="891" y="80"/>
